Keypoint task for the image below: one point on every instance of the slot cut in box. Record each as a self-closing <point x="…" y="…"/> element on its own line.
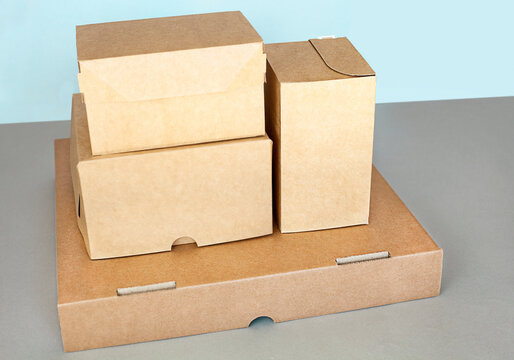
<point x="320" y="109"/>
<point x="213" y="288"/>
<point x="143" y="202"/>
<point x="171" y="81"/>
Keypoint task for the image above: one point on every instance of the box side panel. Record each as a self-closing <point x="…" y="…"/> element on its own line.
<point x="272" y="101"/>
<point x="75" y="156"/>
<point x="200" y="309"/>
<point x="142" y="203"/>
<point x="326" y="153"/>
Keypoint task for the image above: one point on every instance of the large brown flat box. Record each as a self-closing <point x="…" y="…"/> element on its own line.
<point x="171" y="81"/>
<point x="226" y="286"/>
<point x="143" y="202"/>
<point x="321" y="122"/>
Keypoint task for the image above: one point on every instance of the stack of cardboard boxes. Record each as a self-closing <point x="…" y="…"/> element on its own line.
<point x="169" y="147"/>
<point x="168" y="135"/>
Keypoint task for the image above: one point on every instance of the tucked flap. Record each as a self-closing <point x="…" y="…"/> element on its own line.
<point x="171" y="74"/>
<point x="340" y="56"/>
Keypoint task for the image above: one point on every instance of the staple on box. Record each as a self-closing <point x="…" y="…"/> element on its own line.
<point x="363" y="257"/>
<point x="146" y="288"/>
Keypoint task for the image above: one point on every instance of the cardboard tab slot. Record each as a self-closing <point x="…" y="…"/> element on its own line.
<point x="363" y="257"/>
<point x="146" y="288"/>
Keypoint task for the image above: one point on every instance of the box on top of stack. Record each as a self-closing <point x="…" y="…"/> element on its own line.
<point x="320" y="111"/>
<point x="171" y="81"/>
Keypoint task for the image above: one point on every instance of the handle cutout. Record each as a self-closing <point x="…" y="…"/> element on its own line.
<point x="183" y="240"/>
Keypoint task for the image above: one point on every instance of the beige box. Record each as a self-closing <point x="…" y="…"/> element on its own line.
<point x="213" y="288"/>
<point x="171" y="81"/>
<point x="320" y="107"/>
<point x="144" y="202"/>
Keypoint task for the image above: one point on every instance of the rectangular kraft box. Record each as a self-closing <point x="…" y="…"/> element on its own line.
<point x="226" y="286"/>
<point x="143" y="202"/>
<point x="171" y="81"/>
<point x="321" y="122"/>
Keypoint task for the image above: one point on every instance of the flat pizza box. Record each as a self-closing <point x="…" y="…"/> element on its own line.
<point x="191" y="290"/>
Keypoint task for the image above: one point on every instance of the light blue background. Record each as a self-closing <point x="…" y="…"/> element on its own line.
<point x="421" y="50"/>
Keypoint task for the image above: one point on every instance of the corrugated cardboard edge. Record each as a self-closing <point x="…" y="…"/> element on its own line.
<point x="234" y="304"/>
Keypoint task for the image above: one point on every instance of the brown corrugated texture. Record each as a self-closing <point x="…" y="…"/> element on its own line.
<point x="124" y="38"/>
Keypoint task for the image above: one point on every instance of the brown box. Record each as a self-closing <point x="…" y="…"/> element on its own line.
<point x="143" y="202"/>
<point x="321" y="122"/>
<point x="283" y="276"/>
<point x="171" y="81"/>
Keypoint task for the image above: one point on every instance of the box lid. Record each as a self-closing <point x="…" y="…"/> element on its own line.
<point x="316" y="60"/>
<point x="136" y="37"/>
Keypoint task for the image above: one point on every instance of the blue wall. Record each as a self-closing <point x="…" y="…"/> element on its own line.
<point x="420" y="50"/>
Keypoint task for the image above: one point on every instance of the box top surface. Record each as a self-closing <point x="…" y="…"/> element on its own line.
<point x="125" y="38"/>
<point x="316" y="60"/>
<point x="392" y="228"/>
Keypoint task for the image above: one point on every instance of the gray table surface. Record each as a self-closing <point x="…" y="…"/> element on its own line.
<point x="451" y="162"/>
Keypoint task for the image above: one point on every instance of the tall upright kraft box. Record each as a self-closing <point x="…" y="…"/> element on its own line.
<point x="171" y="81"/>
<point x="320" y="107"/>
<point x="146" y="201"/>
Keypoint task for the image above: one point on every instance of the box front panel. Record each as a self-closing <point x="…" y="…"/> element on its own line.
<point x="234" y="304"/>
<point x="143" y="203"/>
<point x="131" y="126"/>
<point x="174" y="98"/>
<point x="326" y="153"/>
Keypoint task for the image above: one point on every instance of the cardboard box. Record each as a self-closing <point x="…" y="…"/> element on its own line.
<point x="321" y="122"/>
<point x="283" y="276"/>
<point x="171" y="81"/>
<point x="143" y="202"/>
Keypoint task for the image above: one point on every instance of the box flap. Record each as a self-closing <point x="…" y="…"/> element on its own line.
<point x="125" y="38"/>
<point x="84" y="150"/>
<point x="316" y="60"/>
<point x="172" y="74"/>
